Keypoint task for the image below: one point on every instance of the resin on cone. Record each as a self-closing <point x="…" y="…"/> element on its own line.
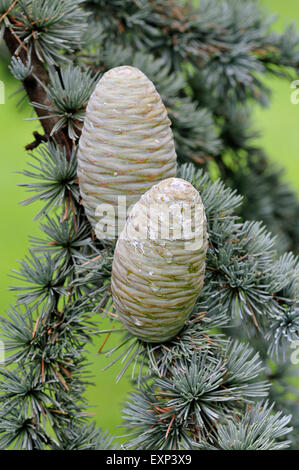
<point x="159" y="261"/>
<point x="126" y="146"/>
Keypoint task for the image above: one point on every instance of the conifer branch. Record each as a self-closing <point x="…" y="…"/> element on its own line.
<point x="33" y="85"/>
<point x="199" y="389"/>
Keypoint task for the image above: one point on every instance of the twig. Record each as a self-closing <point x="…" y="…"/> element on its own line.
<point x="35" y="326"/>
<point x="9" y="9"/>
<point x="169" y="426"/>
<point x="38" y="140"/>
<point x="104" y="342"/>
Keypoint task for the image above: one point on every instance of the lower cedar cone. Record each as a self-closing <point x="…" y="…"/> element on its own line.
<point x="156" y="278"/>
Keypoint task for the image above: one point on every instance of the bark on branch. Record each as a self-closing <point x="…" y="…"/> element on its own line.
<point x="35" y="91"/>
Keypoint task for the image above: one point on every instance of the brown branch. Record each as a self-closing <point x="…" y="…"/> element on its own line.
<point x="38" y="140"/>
<point x="36" y="92"/>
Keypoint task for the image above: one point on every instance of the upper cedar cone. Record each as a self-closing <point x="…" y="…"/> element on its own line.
<point x="126" y="145"/>
<point x="159" y="261"/>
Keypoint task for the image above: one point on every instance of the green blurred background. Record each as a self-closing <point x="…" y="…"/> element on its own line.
<point x="278" y="124"/>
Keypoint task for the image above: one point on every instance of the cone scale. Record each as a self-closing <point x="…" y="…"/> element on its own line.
<point x="156" y="281"/>
<point x="126" y="145"/>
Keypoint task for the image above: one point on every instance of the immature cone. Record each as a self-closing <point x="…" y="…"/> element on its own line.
<point x="159" y="261"/>
<point x="126" y="144"/>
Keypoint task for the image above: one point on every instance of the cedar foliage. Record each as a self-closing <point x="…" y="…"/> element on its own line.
<point x="228" y="370"/>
